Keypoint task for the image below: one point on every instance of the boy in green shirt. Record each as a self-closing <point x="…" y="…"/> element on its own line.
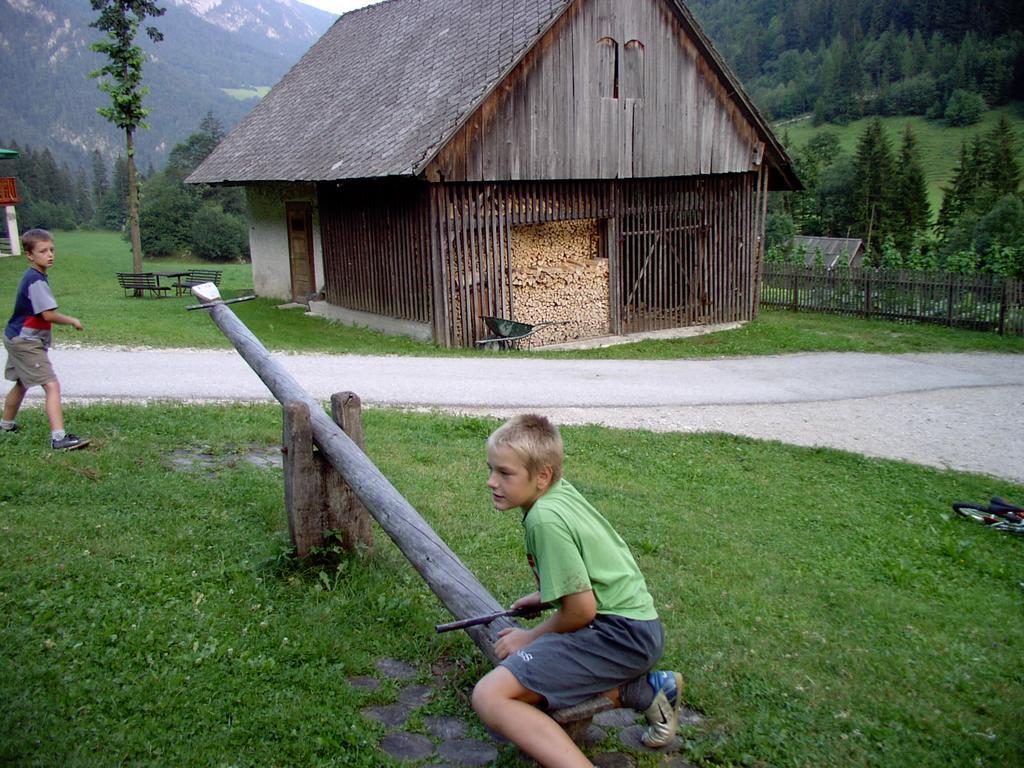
<point x="604" y="638"/>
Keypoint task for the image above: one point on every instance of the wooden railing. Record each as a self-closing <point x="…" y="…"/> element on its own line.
<point x="8" y="191"/>
<point x="979" y="302"/>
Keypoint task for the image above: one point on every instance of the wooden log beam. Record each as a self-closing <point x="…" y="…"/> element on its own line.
<point x="446" y="575"/>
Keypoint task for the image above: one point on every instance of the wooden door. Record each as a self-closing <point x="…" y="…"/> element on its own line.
<point x="300" y="250"/>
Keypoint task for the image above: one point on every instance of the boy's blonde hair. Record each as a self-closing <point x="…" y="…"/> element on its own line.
<point x="535" y="440"/>
<point x="31" y="238"/>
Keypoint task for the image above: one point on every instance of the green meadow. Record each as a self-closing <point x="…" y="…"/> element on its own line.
<point x="824" y="608"/>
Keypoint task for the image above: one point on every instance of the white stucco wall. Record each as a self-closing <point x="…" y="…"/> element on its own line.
<point x="268" y="236"/>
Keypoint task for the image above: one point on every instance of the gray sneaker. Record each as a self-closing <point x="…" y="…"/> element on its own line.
<point x="69" y="442"/>
<point x="12" y="429"/>
<point x="663" y="714"/>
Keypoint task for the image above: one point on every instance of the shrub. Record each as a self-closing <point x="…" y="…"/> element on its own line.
<point x="1002" y="225"/>
<point x="964" y="108"/>
<point x="219" y="236"/>
<point x="911" y="96"/>
<point x="46" y="215"/>
<point x="165" y="217"/>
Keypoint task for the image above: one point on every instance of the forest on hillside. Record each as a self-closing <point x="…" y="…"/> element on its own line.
<point x="843" y="59"/>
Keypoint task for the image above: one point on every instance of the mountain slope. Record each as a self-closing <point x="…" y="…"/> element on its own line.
<point x="49" y="100"/>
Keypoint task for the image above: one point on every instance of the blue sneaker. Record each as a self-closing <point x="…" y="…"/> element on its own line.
<point x="663" y="714"/>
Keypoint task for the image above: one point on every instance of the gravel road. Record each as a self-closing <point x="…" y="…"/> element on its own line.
<point x="961" y="411"/>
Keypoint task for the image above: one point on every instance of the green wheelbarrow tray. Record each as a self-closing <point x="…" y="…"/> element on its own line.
<point x="505" y="331"/>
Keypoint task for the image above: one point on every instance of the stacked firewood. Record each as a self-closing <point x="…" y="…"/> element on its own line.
<point x="557" y="274"/>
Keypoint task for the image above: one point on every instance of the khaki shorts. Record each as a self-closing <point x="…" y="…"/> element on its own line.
<point x="27" y="362"/>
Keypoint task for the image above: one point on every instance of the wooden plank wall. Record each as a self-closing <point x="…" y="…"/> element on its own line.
<point x="685" y="250"/>
<point x="564" y="114"/>
<point x="376" y="248"/>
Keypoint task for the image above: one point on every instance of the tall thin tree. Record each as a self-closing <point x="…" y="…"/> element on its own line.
<point x="911" y="210"/>
<point x="121" y="77"/>
<point x="876" y="170"/>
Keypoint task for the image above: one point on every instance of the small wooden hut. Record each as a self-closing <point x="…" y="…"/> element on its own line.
<point x="833" y="251"/>
<point x="9" y="245"/>
<point x="430" y="162"/>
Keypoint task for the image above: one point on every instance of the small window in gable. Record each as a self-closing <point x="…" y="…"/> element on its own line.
<point x="633" y="70"/>
<point x="608" y="67"/>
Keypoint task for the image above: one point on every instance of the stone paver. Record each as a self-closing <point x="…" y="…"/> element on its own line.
<point x="446" y="726"/>
<point x="407" y="746"/>
<point x="630" y="737"/>
<point x="416" y="695"/>
<point x="675" y="761"/>
<point x="395" y="669"/>
<point x="391" y="715"/>
<point x="613" y="760"/>
<point x="616" y="718"/>
<point x="448" y="745"/>
<point x="469" y="752"/>
<point x="689" y="717"/>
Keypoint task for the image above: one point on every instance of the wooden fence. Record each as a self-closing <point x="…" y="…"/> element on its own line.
<point x="978" y="302"/>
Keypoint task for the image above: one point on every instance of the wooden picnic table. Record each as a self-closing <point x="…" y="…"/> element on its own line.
<point x="172" y="275"/>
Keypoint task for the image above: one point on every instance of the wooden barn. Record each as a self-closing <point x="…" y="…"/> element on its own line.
<point x="430" y="162"/>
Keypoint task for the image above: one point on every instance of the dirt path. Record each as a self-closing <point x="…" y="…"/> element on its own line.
<point x="962" y="411"/>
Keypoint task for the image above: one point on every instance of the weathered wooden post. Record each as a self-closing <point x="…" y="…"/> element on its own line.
<point x="316" y="496"/>
<point x="446" y="575"/>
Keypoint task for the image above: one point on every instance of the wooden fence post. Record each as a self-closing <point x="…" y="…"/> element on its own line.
<point x="950" y="297"/>
<point x="868" y="308"/>
<point x="316" y="496"/>
<point x="348" y="514"/>
<point x="1003" y="298"/>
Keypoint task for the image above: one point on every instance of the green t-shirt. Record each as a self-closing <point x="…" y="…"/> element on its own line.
<point x="572" y="548"/>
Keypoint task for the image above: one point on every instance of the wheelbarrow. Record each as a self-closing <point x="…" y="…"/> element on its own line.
<point x="506" y="334"/>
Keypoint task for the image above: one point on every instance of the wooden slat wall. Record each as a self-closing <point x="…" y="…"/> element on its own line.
<point x="554" y="116"/>
<point x="377" y="252"/>
<point x="685" y="251"/>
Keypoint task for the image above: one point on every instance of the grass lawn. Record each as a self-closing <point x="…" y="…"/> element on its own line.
<point x="825" y="609"/>
<point x="85" y="285"/>
<point x="938" y="143"/>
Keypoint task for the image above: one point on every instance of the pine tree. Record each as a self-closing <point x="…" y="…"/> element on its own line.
<point x="911" y="211"/>
<point x="83" y="198"/>
<point x="1000" y="172"/>
<point x="961" y="196"/>
<point x="876" y="171"/>
<point x="100" y="182"/>
<point x="112" y="212"/>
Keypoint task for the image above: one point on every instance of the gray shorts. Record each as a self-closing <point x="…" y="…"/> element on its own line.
<point x="27" y="362"/>
<point x="572" y="667"/>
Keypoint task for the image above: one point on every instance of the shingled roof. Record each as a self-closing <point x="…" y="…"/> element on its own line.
<point x="388" y="85"/>
<point x="381" y="90"/>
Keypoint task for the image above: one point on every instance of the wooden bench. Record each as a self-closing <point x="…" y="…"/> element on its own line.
<point x="139" y="282"/>
<point x="197" y="277"/>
